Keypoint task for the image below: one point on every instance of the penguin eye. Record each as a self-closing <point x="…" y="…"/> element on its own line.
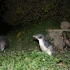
<point x="40" y="37"/>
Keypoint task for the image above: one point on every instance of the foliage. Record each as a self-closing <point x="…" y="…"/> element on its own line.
<point x="22" y="12"/>
<point x="49" y="6"/>
<point x="30" y="61"/>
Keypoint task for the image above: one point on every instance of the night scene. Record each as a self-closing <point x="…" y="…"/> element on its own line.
<point x="34" y="34"/>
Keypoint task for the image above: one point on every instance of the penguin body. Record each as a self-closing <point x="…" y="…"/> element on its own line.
<point x="45" y="45"/>
<point x="66" y="39"/>
<point x="3" y="43"/>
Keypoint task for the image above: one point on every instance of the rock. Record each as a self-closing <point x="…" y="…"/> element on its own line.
<point x="56" y="35"/>
<point x="65" y="25"/>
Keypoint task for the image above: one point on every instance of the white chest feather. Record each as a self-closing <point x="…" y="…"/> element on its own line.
<point x="43" y="48"/>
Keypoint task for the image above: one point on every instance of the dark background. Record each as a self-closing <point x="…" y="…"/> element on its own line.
<point x="17" y="13"/>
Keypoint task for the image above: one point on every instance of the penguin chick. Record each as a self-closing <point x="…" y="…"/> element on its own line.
<point x="44" y="44"/>
<point x="66" y="39"/>
<point x="3" y="43"/>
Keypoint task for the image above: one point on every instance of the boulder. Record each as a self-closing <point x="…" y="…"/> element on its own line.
<point x="65" y="25"/>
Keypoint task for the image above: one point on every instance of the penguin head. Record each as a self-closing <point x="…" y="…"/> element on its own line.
<point x="64" y="34"/>
<point x="39" y="37"/>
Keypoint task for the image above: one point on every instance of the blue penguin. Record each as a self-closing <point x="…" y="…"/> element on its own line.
<point x="3" y="43"/>
<point x="66" y="39"/>
<point x="45" y="45"/>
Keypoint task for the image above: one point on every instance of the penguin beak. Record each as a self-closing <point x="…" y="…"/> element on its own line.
<point x="35" y="36"/>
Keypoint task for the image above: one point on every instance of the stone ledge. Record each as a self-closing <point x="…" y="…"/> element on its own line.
<point x="58" y="30"/>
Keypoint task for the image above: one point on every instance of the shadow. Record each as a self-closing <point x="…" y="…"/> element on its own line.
<point x="4" y="28"/>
